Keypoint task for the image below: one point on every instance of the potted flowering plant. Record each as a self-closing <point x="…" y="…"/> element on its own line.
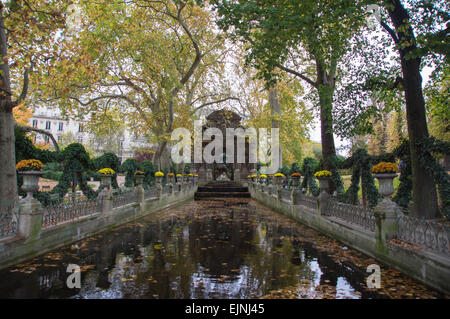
<point x="295" y="179"/>
<point x="385" y="172"/>
<point x="105" y="176"/>
<point x="270" y="178"/>
<point x="254" y="178"/>
<point x="139" y="175"/>
<point x="159" y="176"/>
<point x="179" y="178"/>
<point x="279" y="178"/>
<point x="30" y="170"/>
<point x="324" y="177"/>
<point x="262" y="178"/>
<point x="171" y="178"/>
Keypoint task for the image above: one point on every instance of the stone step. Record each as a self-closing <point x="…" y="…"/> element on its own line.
<point x="207" y="189"/>
<point x="201" y="195"/>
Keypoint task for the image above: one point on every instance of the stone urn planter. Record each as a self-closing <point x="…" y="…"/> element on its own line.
<point x="295" y="180"/>
<point x="386" y="183"/>
<point x="324" y="183"/>
<point x="30" y="182"/>
<point x="139" y="179"/>
<point x="186" y="178"/>
<point x="105" y="181"/>
<point x="270" y="179"/>
<point x="279" y="179"/>
<point x="170" y="179"/>
<point x="254" y="179"/>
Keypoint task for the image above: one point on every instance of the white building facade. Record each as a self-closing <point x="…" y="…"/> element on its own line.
<point x="50" y="120"/>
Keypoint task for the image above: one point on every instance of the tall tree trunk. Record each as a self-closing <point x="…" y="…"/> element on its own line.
<point x="424" y="187"/>
<point x="275" y="109"/>
<point x="325" y="88"/>
<point x="8" y="182"/>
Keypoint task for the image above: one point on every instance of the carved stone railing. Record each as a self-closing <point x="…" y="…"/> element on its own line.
<point x="309" y="201"/>
<point x="152" y="192"/>
<point x="167" y="189"/>
<point x="351" y="214"/>
<point x="285" y="194"/>
<point x="125" y="197"/>
<point x="54" y="215"/>
<point x="428" y="234"/>
<point x="9" y="222"/>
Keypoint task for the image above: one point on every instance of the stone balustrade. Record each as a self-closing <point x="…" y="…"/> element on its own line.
<point x="418" y="248"/>
<point x="30" y="229"/>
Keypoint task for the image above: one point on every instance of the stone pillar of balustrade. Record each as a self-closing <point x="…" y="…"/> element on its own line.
<point x="322" y="200"/>
<point x="209" y="175"/>
<point x="160" y="189"/>
<point x="237" y="175"/>
<point x="140" y="193"/>
<point x="105" y="198"/>
<point x="30" y="218"/>
<point x="387" y="214"/>
<point x="296" y="196"/>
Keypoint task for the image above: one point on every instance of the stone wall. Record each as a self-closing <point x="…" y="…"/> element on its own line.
<point x="370" y="234"/>
<point x="32" y="239"/>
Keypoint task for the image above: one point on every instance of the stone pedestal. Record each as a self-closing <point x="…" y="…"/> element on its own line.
<point x="140" y="193"/>
<point x="209" y="175"/>
<point x="387" y="214"/>
<point x="30" y="218"/>
<point x="278" y="192"/>
<point x="237" y="175"/>
<point x="105" y="197"/>
<point x="322" y="201"/>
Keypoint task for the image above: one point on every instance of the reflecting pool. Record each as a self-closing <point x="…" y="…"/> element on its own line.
<point x="222" y="248"/>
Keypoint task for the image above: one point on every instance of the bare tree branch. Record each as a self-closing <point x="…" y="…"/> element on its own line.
<point x="215" y="102"/>
<point x="297" y="74"/>
<point x="27" y="129"/>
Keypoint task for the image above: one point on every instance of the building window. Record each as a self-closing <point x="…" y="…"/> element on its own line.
<point x="48" y="125"/>
<point x="35" y="123"/>
<point x="47" y="139"/>
<point x="80" y="128"/>
<point x="60" y="126"/>
<point x="59" y="139"/>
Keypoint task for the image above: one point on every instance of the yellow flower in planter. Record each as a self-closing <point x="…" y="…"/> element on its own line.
<point x="296" y="174"/>
<point x="191" y="175"/>
<point x="159" y="174"/>
<point x="106" y="171"/>
<point x="254" y="176"/>
<point x="171" y="174"/>
<point x="139" y="173"/>
<point x="385" y="168"/>
<point x="279" y="175"/>
<point x="179" y="175"/>
<point x="323" y="173"/>
<point x="29" y="165"/>
<point x="263" y="176"/>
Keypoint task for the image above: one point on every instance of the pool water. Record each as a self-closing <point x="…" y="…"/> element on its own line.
<point x="222" y="248"/>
